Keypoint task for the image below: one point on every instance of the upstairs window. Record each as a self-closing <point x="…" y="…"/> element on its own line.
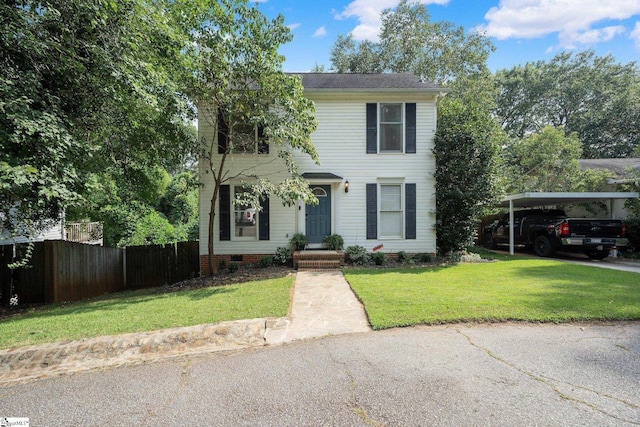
<point x="391" y="127"/>
<point x="245" y="138"/>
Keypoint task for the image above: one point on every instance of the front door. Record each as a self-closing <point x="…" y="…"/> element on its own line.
<point x="318" y="217"/>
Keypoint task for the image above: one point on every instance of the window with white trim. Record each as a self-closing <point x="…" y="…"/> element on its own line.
<point x="391" y="211"/>
<point x="245" y="218"/>
<point x="391" y="127"/>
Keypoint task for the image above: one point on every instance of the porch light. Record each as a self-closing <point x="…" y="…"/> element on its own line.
<point x="346" y="186"/>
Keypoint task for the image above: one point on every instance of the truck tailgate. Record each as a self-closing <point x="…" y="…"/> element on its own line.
<point x="581" y="227"/>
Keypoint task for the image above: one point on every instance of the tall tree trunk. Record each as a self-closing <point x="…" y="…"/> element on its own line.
<point x="212" y="210"/>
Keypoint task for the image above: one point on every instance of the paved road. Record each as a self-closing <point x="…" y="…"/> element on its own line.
<point x="458" y="375"/>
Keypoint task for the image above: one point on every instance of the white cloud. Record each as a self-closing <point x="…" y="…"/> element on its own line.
<point x="635" y="34"/>
<point x="571" y="40"/>
<point x="320" y="32"/>
<point x="368" y="14"/>
<point x="575" y="21"/>
<point x="294" y="26"/>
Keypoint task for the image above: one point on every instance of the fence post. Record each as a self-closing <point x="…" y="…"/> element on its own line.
<point x="124" y="266"/>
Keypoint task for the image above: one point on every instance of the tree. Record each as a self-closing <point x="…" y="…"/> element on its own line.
<point x="466" y="150"/>
<point x="440" y="52"/>
<point x="240" y="84"/>
<point x="85" y="86"/>
<point x="591" y="96"/>
<point x="545" y="161"/>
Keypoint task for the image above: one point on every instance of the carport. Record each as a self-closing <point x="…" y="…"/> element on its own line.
<point x="535" y="199"/>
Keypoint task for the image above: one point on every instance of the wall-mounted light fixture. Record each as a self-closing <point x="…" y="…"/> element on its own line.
<point x="346" y="186"/>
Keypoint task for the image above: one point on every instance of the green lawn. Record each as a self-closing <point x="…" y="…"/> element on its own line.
<point x="537" y="290"/>
<point x="146" y="311"/>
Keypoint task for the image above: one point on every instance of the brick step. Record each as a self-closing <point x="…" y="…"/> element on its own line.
<point x="319" y="264"/>
<point x="318" y="259"/>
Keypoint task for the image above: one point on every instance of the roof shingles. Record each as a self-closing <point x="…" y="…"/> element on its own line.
<point x="367" y="81"/>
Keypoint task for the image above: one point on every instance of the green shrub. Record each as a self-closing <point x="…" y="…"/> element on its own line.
<point x="335" y="242"/>
<point x="425" y="258"/>
<point x="299" y="241"/>
<point x="379" y="258"/>
<point x="282" y="256"/>
<point x="222" y="265"/>
<point x="403" y="257"/>
<point x="266" y="261"/>
<point x="633" y="233"/>
<point x="233" y="267"/>
<point x="357" y="255"/>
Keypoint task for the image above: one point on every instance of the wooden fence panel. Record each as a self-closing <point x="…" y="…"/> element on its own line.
<point x="6" y="255"/>
<point x="150" y="266"/>
<point x="80" y="271"/>
<point x="187" y="261"/>
<point x="67" y="271"/>
<point x="29" y="282"/>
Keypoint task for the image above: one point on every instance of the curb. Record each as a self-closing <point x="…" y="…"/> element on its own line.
<point x="60" y="358"/>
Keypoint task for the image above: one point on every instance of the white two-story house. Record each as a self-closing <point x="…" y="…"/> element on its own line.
<point x="375" y="184"/>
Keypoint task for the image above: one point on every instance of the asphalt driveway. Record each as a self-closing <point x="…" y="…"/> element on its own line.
<point x="456" y="375"/>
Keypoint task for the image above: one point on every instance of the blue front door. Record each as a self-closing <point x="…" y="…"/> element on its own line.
<point x="318" y="217"/>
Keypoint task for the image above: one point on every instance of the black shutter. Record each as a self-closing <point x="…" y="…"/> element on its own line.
<point x="410" y="211"/>
<point x="372" y="128"/>
<point x="223" y="132"/>
<point x="225" y="212"/>
<point x="372" y="211"/>
<point x="263" y="142"/>
<point x="263" y="219"/>
<point x="410" y="129"/>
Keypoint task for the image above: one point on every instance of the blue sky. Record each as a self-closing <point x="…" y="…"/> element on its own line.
<point x="522" y="30"/>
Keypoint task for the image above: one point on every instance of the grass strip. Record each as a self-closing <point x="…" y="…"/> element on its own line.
<point x="534" y="290"/>
<point x="147" y="310"/>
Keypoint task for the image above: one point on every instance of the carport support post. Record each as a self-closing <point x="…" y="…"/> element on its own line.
<point x="511" y="226"/>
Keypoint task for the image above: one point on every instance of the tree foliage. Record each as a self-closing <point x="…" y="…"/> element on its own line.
<point x="239" y="78"/>
<point x="466" y="150"/>
<point x="410" y="42"/>
<point x="591" y="96"/>
<point x="85" y="86"/>
<point x="544" y="161"/>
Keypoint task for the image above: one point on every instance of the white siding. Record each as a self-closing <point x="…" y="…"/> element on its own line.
<point x="341" y="143"/>
<point x="56" y="232"/>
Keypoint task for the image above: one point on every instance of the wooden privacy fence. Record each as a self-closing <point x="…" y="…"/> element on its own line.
<point x="157" y="265"/>
<point x="66" y="271"/>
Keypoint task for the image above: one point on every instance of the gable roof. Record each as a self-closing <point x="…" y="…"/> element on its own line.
<point x="621" y="168"/>
<point x="368" y="82"/>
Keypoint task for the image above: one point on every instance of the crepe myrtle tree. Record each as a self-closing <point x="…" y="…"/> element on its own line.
<point x="240" y="87"/>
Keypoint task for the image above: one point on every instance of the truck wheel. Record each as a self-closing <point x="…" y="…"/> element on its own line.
<point x="489" y="242"/>
<point x="597" y="254"/>
<point x="542" y="246"/>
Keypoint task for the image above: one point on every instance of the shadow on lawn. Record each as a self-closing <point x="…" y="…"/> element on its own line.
<point x="582" y="292"/>
<point x="119" y="301"/>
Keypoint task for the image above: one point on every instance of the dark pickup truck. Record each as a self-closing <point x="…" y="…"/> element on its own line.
<point x="547" y="231"/>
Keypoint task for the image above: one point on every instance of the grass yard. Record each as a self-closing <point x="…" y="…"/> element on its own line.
<point x="536" y="290"/>
<point x="148" y="310"/>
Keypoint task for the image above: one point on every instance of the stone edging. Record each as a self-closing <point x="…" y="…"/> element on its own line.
<point x="37" y="361"/>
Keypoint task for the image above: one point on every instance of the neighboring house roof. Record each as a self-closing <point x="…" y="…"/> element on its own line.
<point x="358" y="81"/>
<point x="621" y="168"/>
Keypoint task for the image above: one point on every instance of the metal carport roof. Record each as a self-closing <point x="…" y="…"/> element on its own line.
<point x="533" y="199"/>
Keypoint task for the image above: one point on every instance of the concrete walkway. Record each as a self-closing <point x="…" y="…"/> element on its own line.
<point x="322" y="304"/>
